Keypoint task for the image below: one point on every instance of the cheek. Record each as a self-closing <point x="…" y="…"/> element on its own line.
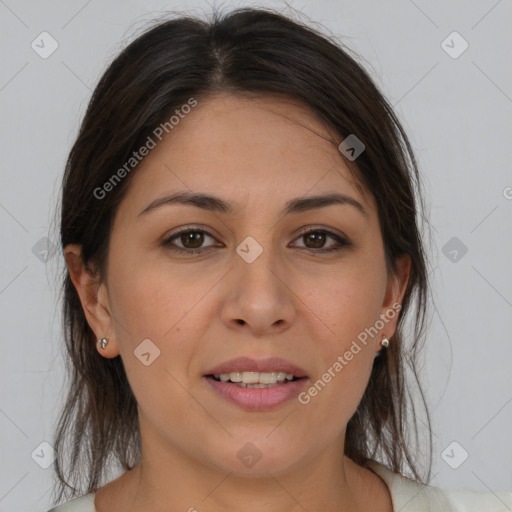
<point x="349" y="303"/>
<point x="166" y="308"/>
<point x="158" y="299"/>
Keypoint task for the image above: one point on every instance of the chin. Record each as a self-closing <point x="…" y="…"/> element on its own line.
<point x="256" y="456"/>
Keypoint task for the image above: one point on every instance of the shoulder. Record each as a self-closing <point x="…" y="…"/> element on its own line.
<point x="82" y="504"/>
<point x="410" y="496"/>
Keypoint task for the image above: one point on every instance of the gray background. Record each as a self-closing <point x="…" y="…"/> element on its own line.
<point x="457" y="112"/>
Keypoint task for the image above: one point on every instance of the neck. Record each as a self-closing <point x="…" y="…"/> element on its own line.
<point x="176" y="482"/>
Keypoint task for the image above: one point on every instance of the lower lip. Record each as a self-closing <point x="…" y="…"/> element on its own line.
<point x="257" y="399"/>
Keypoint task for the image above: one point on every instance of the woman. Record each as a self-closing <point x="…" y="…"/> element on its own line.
<point x="239" y="225"/>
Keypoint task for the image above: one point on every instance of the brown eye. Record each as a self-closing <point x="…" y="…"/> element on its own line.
<point x="188" y="240"/>
<point x="314" y="239"/>
<point x="192" y="239"/>
<point x="317" y="239"/>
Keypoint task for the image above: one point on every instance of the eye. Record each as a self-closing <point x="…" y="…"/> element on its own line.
<point x="191" y="241"/>
<point x="315" y="239"/>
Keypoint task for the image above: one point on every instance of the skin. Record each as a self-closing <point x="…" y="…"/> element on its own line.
<point x="295" y="302"/>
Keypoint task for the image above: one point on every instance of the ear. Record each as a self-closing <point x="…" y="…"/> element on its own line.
<point x="94" y="299"/>
<point x="395" y="291"/>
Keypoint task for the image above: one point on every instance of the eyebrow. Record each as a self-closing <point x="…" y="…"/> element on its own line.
<point x="216" y="204"/>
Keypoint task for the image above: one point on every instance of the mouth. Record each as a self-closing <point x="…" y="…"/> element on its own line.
<point x="256" y="385"/>
<point x="255" y="380"/>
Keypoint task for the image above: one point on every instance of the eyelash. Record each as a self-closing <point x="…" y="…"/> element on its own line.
<point x="342" y="241"/>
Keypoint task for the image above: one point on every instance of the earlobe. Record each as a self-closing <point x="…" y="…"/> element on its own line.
<point x="93" y="299"/>
<point x="107" y="348"/>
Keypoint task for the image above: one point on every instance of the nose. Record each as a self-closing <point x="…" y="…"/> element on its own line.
<point x="259" y="299"/>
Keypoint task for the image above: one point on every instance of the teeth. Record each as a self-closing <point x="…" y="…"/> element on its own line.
<point x="250" y="377"/>
<point x="235" y="377"/>
<point x="255" y="379"/>
<point x="268" y="378"/>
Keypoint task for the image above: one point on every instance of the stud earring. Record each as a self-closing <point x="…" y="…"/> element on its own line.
<point x="385" y="343"/>
<point x="103" y="342"/>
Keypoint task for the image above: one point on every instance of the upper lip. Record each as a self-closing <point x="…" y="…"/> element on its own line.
<point x="246" y="364"/>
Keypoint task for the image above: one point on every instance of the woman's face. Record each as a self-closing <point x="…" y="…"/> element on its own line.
<point x="247" y="283"/>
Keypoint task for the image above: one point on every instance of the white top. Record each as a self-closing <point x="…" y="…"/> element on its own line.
<point x="406" y="495"/>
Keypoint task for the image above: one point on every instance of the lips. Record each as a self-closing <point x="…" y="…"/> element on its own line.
<point x="246" y="364"/>
<point x="256" y="384"/>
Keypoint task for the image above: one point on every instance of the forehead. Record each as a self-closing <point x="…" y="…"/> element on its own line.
<point x="246" y="149"/>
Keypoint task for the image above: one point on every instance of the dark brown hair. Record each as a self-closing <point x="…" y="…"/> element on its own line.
<point x="246" y="51"/>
